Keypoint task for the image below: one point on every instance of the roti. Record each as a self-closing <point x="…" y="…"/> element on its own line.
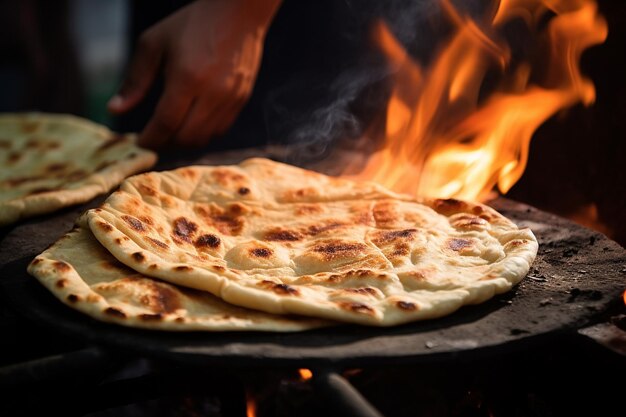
<point x="281" y="239"/>
<point x="50" y="161"/>
<point x="85" y="276"/>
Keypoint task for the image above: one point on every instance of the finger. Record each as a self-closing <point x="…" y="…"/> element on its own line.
<point x="170" y="113"/>
<point x="140" y="75"/>
<point x="199" y="124"/>
<point x="240" y="97"/>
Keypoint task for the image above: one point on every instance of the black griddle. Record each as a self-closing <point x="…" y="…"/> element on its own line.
<point x="577" y="276"/>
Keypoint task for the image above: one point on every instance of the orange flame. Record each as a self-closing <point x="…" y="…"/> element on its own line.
<point x="442" y="139"/>
<point x="305" y="374"/>
<point x="250" y="405"/>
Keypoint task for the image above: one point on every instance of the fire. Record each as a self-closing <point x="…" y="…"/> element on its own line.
<point x="442" y="137"/>
<point x="250" y="405"/>
<point x="305" y="374"/>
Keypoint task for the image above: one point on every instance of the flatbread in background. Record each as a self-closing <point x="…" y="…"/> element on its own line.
<point x="281" y="239"/>
<point x="51" y="161"/>
<point x="85" y="276"/>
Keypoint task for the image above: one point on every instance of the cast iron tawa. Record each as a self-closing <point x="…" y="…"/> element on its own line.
<point x="578" y="276"/>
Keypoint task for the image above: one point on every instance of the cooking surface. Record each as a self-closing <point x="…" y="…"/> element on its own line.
<point x="578" y="275"/>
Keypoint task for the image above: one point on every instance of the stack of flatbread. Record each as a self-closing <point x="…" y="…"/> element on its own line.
<point x="267" y="246"/>
<point x="51" y="161"/>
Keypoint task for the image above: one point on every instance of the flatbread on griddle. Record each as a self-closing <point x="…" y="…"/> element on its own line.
<point x="281" y="239"/>
<point x="50" y="161"/>
<point x="85" y="276"/>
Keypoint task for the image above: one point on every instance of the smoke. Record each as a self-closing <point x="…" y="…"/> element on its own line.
<point x="343" y="87"/>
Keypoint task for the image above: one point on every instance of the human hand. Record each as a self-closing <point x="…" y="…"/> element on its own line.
<point x="209" y="52"/>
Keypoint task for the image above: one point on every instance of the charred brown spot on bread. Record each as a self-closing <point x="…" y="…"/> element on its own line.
<point x="5" y="144"/>
<point x="73" y="298"/>
<point x="113" y="141"/>
<point x="132" y="155"/>
<point x="105" y="226"/>
<point x="115" y="312"/>
<point x="406" y="306"/>
<point x="477" y="210"/>
<point x="458" y="244"/>
<point x="41" y="190"/>
<point x="261" y="252"/>
<point x="392" y="235"/>
<point x="384" y="213"/>
<point x="61" y="266"/>
<point x="515" y="243"/>
<point x="468" y="221"/>
<point x="151" y="317"/>
<point x="36" y="261"/>
<point x="357" y="307"/>
<point x="147" y="190"/>
<point x="282" y="235"/>
<point x="339" y="249"/>
<point x="134" y="223"/>
<point x="243" y="190"/>
<point x="226" y="176"/>
<point x="449" y="206"/>
<point x="33" y="144"/>
<point x="183" y="268"/>
<point x="279" y="288"/>
<point x="209" y="240"/>
<point x="56" y="167"/>
<point x="362" y="290"/>
<point x="228" y="223"/>
<point x="317" y="229"/>
<point x="400" y="249"/>
<point x="189" y="173"/>
<point x="139" y="256"/>
<point x="365" y="218"/>
<point x="167" y="201"/>
<point x="14" y="157"/>
<point x="184" y="228"/>
<point x="303" y="209"/>
<point x="93" y="298"/>
<point x="416" y="275"/>
<point x="147" y="220"/>
<point x="179" y="320"/>
<point x="61" y="283"/>
<point x="238" y="209"/>
<point x="158" y="243"/>
<point x="153" y="266"/>
<point x="162" y="298"/>
<point x="299" y="194"/>
<point x="132" y="205"/>
<point x="218" y="268"/>
<point x="359" y="273"/>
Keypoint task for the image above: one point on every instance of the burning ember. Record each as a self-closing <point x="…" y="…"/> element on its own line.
<point x="305" y="374"/>
<point x="448" y="137"/>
